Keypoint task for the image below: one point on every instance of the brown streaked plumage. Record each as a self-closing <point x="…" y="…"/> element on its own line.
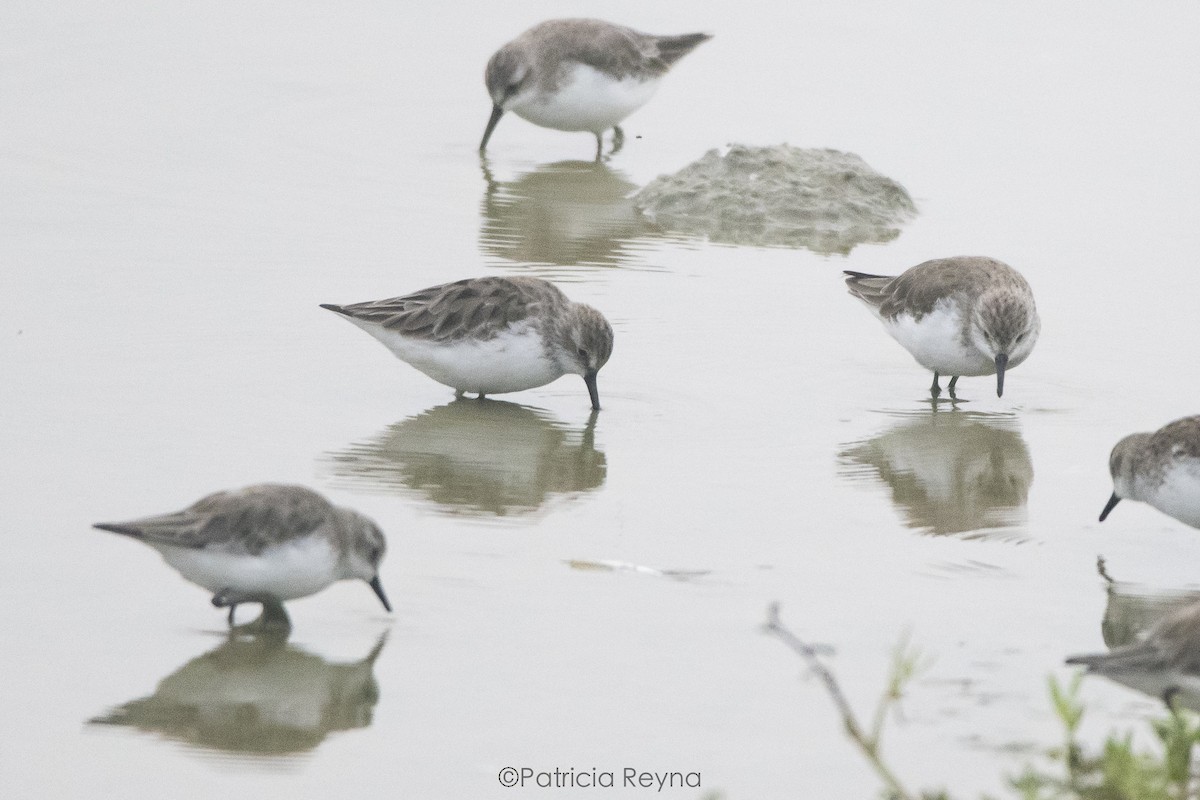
<point x="1160" y="468"/>
<point x="265" y="543"/>
<point x="1165" y="662"/>
<point x="244" y="521"/>
<point x="966" y="315"/>
<point x="536" y="73"/>
<point x="473" y="308"/>
<point x="490" y="335"/>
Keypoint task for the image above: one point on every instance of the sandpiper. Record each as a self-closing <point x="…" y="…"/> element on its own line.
<point x="966" y="315"/>
<point x="1166" y="662"/>
<point x="490" y="335"/>
<point x="1160" y="468"/>
<point x="264" y="544"/>
<point x="580" y="75"/>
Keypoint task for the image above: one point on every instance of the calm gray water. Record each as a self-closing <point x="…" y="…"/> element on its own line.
<point x="183" y="184"/>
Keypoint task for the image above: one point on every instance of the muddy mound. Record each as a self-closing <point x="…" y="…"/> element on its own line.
<point x="824" y="200"/>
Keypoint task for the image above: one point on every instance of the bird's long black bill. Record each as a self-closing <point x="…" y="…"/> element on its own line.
<point x="1001" y="363"/>
<point x="497" y="113"/>
<point x="593" y="392"/>
<point x="117" y="527"/>
<point x="378" y="587"/>
<point x="1109" y="506"/>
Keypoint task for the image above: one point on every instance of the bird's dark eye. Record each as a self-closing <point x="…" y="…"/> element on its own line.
<point x="583" y="354"/>
<point x="511" y="89"/>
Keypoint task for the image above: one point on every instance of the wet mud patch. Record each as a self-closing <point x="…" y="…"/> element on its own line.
<point x="823" y="200"/>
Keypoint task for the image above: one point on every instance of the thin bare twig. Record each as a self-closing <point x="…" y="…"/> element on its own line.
<point x="868" y="744"/>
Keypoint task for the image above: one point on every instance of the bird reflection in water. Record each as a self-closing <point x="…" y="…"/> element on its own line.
<point x="256" y="696"/>
<point x="565" y="213"/>
<point x="477" y="457"/>
<point x="950" y="473"/>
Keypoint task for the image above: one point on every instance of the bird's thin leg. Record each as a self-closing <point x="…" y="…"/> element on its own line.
<point x="273" y="616"/>
<point x="458" y="393"/>
<point x="481" y="396"/>
<point x="599" y="146"/>
<point x="953" y="381"/>
<point x="227" y="598"/>
<point x="935" y="390"/>
<point x="618" y="139"/>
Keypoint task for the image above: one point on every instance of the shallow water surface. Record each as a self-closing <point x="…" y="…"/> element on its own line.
<point x="186" y="183"/>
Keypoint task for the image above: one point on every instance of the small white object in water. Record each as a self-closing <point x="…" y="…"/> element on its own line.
<point x="625" y="566"/>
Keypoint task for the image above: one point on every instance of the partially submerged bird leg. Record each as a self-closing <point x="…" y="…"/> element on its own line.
<point x="273" y="616"/>
<point x="617" y="143"/>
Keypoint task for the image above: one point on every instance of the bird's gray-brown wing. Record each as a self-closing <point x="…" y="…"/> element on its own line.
<point x="1176" y="440"/>
<point x="471" y="308"/>
<point x="1173" y="643"/>
<point x="871" y="289"/>
<point x="917" y="290"/>
<point x="246" y="520"/>
<point x="614" y="49"/>
<point x="1178" y="637"/>
<point x="673" y="48"/>
<point x="1138" y="657"/>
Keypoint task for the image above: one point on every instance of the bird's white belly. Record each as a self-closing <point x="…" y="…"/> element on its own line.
<point x="511" y="362"/>
<point x="936" y="342"/>
<point x="588" y="100"/>
<point x="1155" y="682"/>
<point x="1179" y="493"/>
<point x="296" y="569"/>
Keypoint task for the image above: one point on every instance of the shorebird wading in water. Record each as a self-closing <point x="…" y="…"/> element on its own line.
<point x="580" y="75"/>
<point x="1160" y="468"/>
<point x="490" y="335"/>
<point x="966" y="315"/>
<point x="264" y="544"/>
<point x="1166" y="662"/>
